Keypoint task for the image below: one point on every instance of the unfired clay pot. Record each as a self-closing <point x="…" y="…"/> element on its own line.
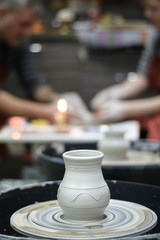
<point x="83" y="194"/>
<point x="113" y="145"/>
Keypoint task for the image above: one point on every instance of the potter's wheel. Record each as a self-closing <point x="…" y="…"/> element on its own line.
<point x="134" y="158"/>
<point x="46" y="220"/>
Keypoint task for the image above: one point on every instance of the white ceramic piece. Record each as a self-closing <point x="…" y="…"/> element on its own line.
<point x="113" y="145"/>
<point x="83" y="194"/>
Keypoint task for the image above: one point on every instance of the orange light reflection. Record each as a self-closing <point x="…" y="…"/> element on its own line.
<point x="16" y="122"/>
<point x="16" y="135"/>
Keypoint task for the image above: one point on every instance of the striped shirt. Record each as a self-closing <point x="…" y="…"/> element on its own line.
<point x="150" y="48"/>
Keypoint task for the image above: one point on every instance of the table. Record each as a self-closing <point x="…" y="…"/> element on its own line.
<point x="78" y="134"/>
<point x="36" y="136"/>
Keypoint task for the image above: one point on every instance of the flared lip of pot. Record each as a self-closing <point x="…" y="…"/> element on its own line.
<point x="83" y="154"/>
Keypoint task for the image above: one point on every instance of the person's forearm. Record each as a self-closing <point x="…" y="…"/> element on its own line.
<point x="132" y="87"/>
<point x="11" y="105"/>
<point x="142" y="107"/>
<point x="45" y="94"/>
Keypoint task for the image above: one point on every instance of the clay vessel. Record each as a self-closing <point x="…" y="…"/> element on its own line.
<point x="113" y="145"/>
<point x="83" y="194"/>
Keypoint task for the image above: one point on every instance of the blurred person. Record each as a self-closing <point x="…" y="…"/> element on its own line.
<point x="120" y="101"/>
<point x="16" y="19"/>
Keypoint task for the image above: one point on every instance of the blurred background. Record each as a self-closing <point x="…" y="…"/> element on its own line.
<point x="82" y="46"/>
<point x="90" y="44"/>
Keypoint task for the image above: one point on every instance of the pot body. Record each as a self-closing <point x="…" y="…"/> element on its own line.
<point x="83" y="194"/>
<point x="113" y="145"/>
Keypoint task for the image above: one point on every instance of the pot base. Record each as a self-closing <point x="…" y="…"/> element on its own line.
<point x="46" y="220"/>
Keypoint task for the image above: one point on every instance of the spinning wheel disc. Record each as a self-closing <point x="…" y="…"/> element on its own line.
<point x="46" y="220"/>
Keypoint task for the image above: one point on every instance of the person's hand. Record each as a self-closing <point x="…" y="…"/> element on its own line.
<point x="104" y="95"/>
<point x="110" y="111"/>
<point x="73" y="116"/>
<point x="77" y="112"/>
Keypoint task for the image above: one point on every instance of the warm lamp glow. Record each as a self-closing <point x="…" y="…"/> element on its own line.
<point x="61" y="115"/>
<point x="16" y="135"/>
<point x="16" y="122"/>
<point x="62" y="105"/>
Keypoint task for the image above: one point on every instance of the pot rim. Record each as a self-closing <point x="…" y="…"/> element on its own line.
<point x="83" y="154"/>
